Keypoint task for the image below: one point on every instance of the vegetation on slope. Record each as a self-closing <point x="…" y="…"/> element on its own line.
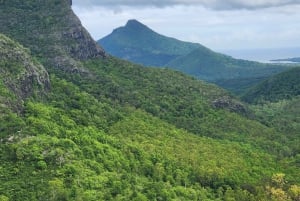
<point x="284" y="115"/>
<point x="60" y="155"/>
<point x="198" y="107"/>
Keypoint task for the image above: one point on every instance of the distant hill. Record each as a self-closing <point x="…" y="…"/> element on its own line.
<point x="138" y="43"/>
<point x="295" y="59"/>
<point x="282" y="86"/>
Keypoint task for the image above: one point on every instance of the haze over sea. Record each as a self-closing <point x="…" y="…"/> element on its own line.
<point x="263" y="55"/>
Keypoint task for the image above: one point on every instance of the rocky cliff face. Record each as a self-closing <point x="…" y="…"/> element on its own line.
<point x="82" y="44"/>
<point x="19" y="72"/>
<point x="51" y="30"/>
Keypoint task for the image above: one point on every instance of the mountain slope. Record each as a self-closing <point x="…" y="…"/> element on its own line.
<point x="138" y="43"/>
<point x="124" y="132"/>
<point x="196" y="106"/>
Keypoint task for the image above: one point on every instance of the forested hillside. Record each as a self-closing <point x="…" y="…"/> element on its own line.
<point x="77" y="124"/>
<point x="285" y="85"/>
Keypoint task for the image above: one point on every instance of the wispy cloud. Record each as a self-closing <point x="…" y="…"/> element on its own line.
<point x="212" y="4"/>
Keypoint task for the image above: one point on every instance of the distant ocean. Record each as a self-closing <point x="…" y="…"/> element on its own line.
<point x="263" y="55"/>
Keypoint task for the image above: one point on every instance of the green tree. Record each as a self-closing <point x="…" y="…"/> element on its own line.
<point x="3" y="198"/>
<point x="57" y="190"/>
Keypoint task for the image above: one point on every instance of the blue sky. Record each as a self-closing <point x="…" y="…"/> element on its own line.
<point x="217" y="24"/>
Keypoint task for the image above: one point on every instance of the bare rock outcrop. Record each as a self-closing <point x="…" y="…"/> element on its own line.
<point x="20" y="72"/>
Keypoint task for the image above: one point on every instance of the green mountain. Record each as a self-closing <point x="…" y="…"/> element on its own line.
<point x="88" y="126"/>
<point x="138" y="43"/>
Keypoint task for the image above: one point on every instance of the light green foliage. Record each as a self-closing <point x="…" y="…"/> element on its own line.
<point x="3" y="198"/>
<point x="200" y="155"/>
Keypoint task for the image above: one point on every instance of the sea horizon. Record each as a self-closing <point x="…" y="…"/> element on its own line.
<point x="265" y="55"/>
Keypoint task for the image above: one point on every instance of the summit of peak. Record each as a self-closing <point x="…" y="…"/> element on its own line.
<point x="134" y="23"/>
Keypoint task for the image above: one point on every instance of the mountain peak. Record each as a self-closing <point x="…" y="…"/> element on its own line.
<point x="133" y="23"/>
<point x="140" y="44"/>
